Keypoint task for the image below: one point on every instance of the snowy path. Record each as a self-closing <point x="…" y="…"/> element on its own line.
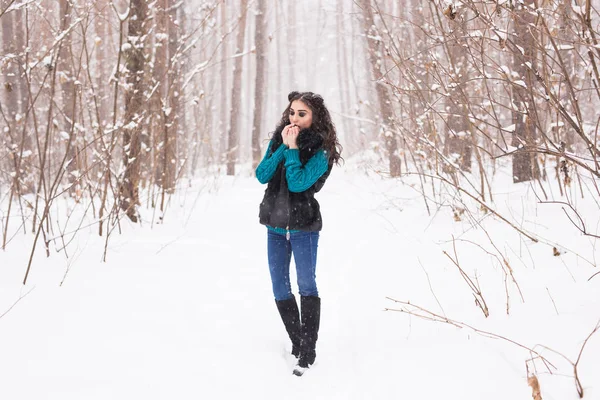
<point x="185" y="311"/>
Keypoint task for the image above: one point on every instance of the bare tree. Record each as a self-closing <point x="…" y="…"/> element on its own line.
<point x="176" y="118"/>
<point x="171" y="110"/>
<point x="66" y="77"/>
<point x="291" y="44"/>
<point x="164" y="115"/>
<point x="259" y="86"/>
<point x="134" y="109"/>
<point x="159" y="67"/>
<point x="565" y="25"/>
<point x="524" y="116"/>
<point x="342" y="60"/>
<point x="223" y="127"/>
<point x="102" y="55"/>
<point x="279" y="42"/>
<point x="387" y="122"/>
<point x="13" y="100"/>
<point x="70" y="94"/>
<point x="457" y="139"/>
<point x="10" y="94"/>
<point x="10" y="112"/>
<point x="236" y="93"/>
<point x="495" y="84"/>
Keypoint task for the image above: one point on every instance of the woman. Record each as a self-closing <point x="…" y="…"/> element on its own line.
<point x="298" y="161"/>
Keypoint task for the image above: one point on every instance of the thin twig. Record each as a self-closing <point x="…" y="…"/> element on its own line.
<point x="577" y="381"/>
<point x="479" y="300"/>
<point x="431" y="288"/>
<point x="15" y="303"/>
<point x="552" y="299"/>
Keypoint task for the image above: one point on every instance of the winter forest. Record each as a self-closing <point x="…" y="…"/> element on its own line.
<point x="469" y="189"/>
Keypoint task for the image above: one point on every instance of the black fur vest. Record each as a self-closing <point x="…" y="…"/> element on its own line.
<point x="281" y="208"/>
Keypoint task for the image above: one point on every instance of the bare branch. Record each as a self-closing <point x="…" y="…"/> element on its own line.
<point x="417" y="311"/>
<point x="479" y="300"/>
<point x="15" y="303"/>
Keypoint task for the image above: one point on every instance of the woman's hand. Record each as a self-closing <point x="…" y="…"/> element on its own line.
<point x="284" y="134"/>
<point x="291" y="136"/>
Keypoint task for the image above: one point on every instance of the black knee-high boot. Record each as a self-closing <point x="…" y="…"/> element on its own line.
<point x="288" y="309"/>
<point x="311" y="316"/>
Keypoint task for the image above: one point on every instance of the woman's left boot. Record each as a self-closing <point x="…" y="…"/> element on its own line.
<point x="288" y="309"/>
<point x="311" y="317"/>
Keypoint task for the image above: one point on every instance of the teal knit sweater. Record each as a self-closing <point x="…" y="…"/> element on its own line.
<point x="299" y="177"/>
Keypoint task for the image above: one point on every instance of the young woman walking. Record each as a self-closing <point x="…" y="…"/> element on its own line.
<point x="296" y="165"/>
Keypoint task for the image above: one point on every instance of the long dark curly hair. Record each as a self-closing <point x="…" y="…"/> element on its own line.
<point x="321" y="122"/>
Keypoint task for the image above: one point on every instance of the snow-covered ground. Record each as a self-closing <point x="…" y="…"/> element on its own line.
<point x="184" y="309"/>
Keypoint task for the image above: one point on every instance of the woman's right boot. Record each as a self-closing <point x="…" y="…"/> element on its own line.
<point x="288" y="309"/>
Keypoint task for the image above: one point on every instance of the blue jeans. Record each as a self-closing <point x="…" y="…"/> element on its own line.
<point x="304" y="247"/>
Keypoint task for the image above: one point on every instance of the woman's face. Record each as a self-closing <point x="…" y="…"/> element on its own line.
<point x="300" y="114"/>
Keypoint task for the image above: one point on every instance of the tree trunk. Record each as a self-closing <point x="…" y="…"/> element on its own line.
<point x="66" y="78"/>
<point x="102" y="55"/>
<point x="343" y="79"/>
<point x="10" y="98"/>
<point x="223" y="127"/>
<point x="458" y="140"/>
<point x="158" y="104"/>
<point x="565" y="34"/>
<point x="524" y="118"/>
<point x="236" y="93"/>
<point x="387" y="122"/>
<point x="279" y="44"/>
<point x="184" y="146"/>
<point x="248" y="94"/>
<point x="290" y="44"/>
<point x="259" y="86"/>
<point x="134" y="109"/>
<point x="422" y="65"/>
<point x="13" y="100"/>
<point x="170" y="162"/>
<point x="25" y="162"/>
